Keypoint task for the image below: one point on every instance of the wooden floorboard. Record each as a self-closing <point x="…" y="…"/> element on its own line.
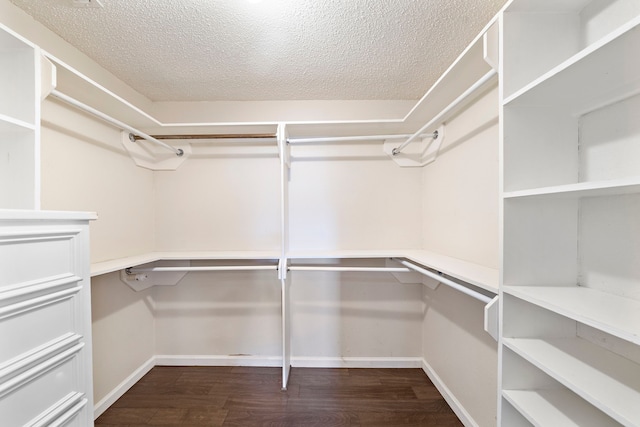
<point x="247" y="397"/>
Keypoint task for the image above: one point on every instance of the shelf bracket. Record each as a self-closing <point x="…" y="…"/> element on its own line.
<point x="284" y="148"/>
<point x="141" y="281"/>
<point x="418" y="154"/>
<point x="152" y="157"/>
<point x="491" y="319"/>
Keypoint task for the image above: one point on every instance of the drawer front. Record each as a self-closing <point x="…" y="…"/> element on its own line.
<point x="36" y="318"/>
<point x="31" y="254"/>
<point x="32" y="392"/>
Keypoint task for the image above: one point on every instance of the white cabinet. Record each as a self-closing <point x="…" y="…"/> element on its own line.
<point x="570" y="344"/>
<point x="45" y="319"/>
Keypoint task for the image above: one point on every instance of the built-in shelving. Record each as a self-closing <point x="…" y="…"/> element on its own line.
<point x="608" y="381"/>
<point x="571" y="194"/>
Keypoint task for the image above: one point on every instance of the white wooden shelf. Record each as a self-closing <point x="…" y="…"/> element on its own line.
<point x="478" y="275"/>
<point x="596" y="76"/>
<point x="339" y="254"/>
<point x="612" y="187"/>
<point x="608" y="381"/>
<point x="475" y="274"/>
<point x="11" y="124"/>
<point x="546" y="6"/>
<point x="30" y="214"/>
<point x="613" y="314"/>
<point x="557" y="408"/>
<point x="110" y="266"/>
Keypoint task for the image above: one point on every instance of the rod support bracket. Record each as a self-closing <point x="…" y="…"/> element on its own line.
<point x="132" y="137"/>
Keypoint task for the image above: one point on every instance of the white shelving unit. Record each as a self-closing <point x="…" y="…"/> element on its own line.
<point x="19" y="122"/>
<point x="570" y="290"/>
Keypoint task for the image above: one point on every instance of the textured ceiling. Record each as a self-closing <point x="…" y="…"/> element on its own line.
<point x="220" y="50"/>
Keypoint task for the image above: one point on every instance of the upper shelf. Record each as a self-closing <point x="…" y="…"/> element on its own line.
<point x="595" y="77"/>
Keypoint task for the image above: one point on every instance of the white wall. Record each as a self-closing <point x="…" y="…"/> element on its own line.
<point x="460" y="189"/>
<point x="460" y="213"/>
<point x="123" y="333"/>
<point x="353" y="316"/>
<point x="352" y="197"/>
<point x="221" y="203"/>
<point x="213" y="315"/>
<point x="85" y="168"/>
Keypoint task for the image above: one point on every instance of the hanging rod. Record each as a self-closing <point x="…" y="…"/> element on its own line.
<point x="115" y="122"/>
<point x="445" y="281"/>
<point x="133" y="137"/>
<point x="353" y="138"/>
<point x="203" y="268"/>
<point x="372" y="269"/>
<point x="441" y="116"/>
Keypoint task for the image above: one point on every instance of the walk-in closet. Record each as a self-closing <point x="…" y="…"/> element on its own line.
<point x="468" y="246"/>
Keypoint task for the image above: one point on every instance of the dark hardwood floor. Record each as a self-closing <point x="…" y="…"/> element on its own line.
<point x="239" y="396"/>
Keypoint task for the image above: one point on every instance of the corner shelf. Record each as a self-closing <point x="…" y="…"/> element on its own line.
<point x="609" y="382"/>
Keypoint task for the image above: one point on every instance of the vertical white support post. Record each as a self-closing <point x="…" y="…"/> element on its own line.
<point x="285" y="164"/>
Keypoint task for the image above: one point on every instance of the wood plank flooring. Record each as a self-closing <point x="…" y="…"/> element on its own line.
<point x="247" y="397"/>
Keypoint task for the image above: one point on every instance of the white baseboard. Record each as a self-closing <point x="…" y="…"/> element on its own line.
<point x="122" y="388"/>
<point x="356" y="362"/>
<point x="454" y="403"/>
<point x="199" y="360"/>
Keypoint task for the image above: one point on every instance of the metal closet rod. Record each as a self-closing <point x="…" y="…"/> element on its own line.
<point x="457" y="286"/>
<point x="117" y="123"/>
<point x="135" y="137"/>
<point x="353" y="138"/>
<point x="371" y="269"/>
<point x="203" y="268"/>
<point x="441" y="116"/>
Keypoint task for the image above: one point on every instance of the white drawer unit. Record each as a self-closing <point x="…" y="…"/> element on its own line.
<point x="45" y="319"/>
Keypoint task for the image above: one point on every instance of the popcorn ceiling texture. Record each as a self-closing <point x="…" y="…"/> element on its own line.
<point x="222" y="50"/>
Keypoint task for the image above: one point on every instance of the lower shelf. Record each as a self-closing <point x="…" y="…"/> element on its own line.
<point x="608" y="381"/>
<point x="558" y="408"/>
